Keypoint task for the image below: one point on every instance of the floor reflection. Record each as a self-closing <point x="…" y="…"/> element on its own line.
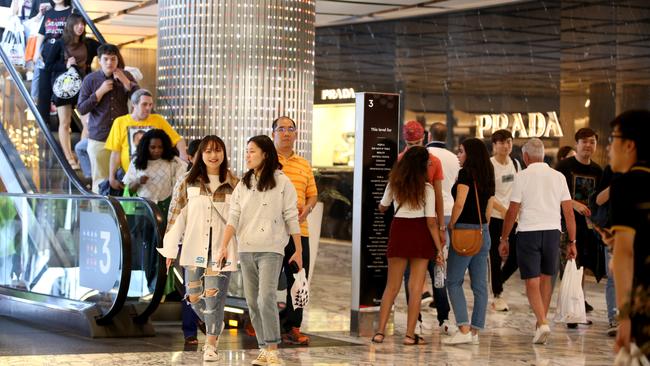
<point x="506" y="341"/>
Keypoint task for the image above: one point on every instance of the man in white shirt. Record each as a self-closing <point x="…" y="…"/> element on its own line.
<point x="537" y="194"/>
<point x="450" y="168"/>
<point x="505" y="169"/>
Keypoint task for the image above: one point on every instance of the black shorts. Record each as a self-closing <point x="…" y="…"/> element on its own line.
<point x="538" y="252"/>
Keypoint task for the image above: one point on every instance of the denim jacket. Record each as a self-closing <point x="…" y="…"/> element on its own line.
<point x="193" y="211"/>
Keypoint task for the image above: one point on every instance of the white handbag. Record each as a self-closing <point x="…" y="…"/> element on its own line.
<point x="68" y="84"/>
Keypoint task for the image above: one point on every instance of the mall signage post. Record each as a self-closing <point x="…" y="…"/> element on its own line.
<point x="375" y="151"/>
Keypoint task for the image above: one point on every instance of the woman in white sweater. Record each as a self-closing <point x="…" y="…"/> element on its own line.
<point x="263" y="214"/>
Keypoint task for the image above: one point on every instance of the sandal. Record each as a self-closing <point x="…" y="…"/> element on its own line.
<point x="416" y="340"/>
<point x="375" y="340"/>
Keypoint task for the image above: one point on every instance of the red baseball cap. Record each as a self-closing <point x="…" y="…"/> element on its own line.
<point x="413" y="131"/>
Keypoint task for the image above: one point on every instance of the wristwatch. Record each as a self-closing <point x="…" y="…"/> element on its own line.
<point x="501" y="238"/>
<point x="572" y="241"/>
<point x="442" y="228"/>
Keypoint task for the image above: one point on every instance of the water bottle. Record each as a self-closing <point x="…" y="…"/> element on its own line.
<point x="440" y="269"/>
<point x="439" y="276"/>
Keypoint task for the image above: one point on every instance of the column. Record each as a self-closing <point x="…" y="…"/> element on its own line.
<point x="229" y="68"/>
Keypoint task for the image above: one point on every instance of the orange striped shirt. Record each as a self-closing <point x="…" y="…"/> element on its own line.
<point x="299" y="172"/>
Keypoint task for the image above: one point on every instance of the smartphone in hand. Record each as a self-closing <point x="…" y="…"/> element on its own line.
<point x="223" y="263"/>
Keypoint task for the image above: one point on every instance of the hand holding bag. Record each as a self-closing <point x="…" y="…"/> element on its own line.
<point x="468" y="242"/>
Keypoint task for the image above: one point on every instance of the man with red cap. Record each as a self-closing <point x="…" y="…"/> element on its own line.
<point x="413" y="134"/>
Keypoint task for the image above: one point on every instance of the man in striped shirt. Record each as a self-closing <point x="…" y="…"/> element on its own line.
<point x="299" y="172"/>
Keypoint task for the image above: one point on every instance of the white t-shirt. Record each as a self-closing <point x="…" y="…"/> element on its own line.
<point x="214" y="182"/>
<point x="405" y="211"/>
<point x="541" y="191"/>
<point x="450" y="168"/>
<point x="504" y="178"/>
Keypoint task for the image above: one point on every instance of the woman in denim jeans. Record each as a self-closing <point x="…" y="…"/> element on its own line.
<point x="476" y="171"/>
<point x="197" y="216"/>
<point x="263" y="213"/>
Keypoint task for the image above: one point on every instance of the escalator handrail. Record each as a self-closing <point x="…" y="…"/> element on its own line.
<point x="89" y="22"/>
<point x="125" y="239"/>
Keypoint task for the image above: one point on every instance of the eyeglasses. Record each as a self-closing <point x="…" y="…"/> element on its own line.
<point x="285" y="129"/>
<point x="611" y="138"/>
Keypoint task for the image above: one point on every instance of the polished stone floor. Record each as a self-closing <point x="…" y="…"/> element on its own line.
<point x="506" y="341"/>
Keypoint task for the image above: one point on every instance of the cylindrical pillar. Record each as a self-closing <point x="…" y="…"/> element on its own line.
<point x="229" y="67"/>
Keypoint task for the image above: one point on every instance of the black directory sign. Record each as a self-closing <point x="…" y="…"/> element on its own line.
<point x="377" y="127"/>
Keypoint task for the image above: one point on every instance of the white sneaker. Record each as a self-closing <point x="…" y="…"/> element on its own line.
<point x="459" y="338"/>
<point x="273" y="359"/>
<point x="427" y="299"/>
<point x="474" y="338"/>
<point x="499" y="304"/>
<point x="210" y="353"/>
<point x="261" y="359"/>
<point x="541" y="334"/>
<point x="448" y="328"/>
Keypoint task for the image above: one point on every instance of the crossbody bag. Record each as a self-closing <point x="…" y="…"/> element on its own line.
<point x="468" y="242"/>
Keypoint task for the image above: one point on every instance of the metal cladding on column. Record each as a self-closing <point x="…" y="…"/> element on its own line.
<point x="229" y="68"/>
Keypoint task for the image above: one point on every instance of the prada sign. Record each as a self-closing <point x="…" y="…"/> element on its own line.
<point x="537" y="124"/>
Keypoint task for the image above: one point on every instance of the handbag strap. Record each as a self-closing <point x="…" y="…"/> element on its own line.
<point x="478" y="207"/>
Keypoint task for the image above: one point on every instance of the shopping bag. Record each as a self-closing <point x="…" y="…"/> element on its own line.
<point x="13" y="41"/>
<point x="633" y="357"/>
<point x="571" y="300"/>
<point x="300" y="290"/>
<point x="128" y="206"/>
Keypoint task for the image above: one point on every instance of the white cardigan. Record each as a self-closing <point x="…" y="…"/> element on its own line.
<point x="192" y="212"/>
<point x="264" y="220"/>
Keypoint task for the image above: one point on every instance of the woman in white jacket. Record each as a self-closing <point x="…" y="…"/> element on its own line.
<point x="197" y="216"/>
<point x="263" y="214"/>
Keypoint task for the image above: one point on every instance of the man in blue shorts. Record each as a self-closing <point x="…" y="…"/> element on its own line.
<point x="537" y="195"/>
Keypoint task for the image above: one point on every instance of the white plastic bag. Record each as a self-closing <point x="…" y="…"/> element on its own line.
<point x="571" y="300"/>
<point x="300" y="290"/>
<point x="13" y="41"/>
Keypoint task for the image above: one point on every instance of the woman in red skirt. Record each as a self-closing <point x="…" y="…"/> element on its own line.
<point x="413" y="238"/>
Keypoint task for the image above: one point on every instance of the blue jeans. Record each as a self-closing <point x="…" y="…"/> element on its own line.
<point x="81" y="149"/>
<point x="478" y="267"/>
<point x="208" y="308"/>
<point x="610" y="290"/>
<point x="260" y="271"/>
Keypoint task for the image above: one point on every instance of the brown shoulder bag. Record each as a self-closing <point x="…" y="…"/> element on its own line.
<point x="468" y="242"/>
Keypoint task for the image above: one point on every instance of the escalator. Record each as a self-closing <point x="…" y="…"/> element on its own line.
<point x="69" y="256"/>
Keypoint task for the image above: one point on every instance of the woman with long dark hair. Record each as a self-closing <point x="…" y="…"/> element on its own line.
<point x="475" y="178"/>
<point x="263" y="214"/>
<point x="414" y="236"/>
<point x="73" y="49"/>
<point x="197" y="217"/>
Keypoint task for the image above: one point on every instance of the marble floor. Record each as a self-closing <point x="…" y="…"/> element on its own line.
<point x="506" y="341"/>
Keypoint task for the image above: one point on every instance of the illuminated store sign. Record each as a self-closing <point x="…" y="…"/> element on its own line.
<point x="538" y="125"/>
<point x="337" y="94"/>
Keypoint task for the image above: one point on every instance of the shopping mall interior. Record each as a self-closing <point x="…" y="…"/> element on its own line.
<point x="536" y="68"/>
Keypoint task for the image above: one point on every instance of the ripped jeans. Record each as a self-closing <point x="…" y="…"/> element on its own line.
<point x="210" y="303"/>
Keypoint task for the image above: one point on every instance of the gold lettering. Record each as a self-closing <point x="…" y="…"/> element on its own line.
<point x="553" y="125"/>
<point x="483" y="122"/>
<point x="518" y="126"/>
